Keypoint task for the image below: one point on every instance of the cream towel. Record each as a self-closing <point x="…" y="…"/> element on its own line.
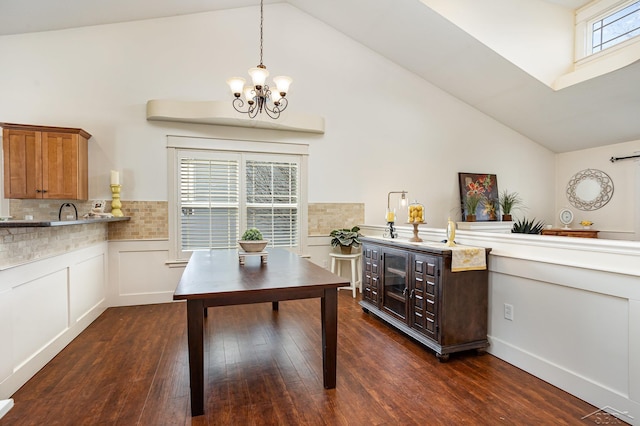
<point x="468" y="259"/>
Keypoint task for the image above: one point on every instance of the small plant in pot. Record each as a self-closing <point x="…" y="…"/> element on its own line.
<point x="509" y="201"/>
<point x="252" y="241"/>
<point x="345" y="238"/>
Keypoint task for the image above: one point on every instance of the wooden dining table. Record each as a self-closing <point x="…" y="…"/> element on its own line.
<point x="216" y="278"/>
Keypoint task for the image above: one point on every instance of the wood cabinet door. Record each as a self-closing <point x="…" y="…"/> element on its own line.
<point x="424" y="294"/>
<point x="22" y="163"/>
<point x="371" y="270"/>
<point x="60" y="165"/>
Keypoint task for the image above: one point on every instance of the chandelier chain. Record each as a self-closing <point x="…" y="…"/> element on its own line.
<point x="260" y="97"/>
<point x="261" y="24"/>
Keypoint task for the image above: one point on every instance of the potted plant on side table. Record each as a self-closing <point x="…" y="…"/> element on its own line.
<point x="345" y="238"/>
<point x="252" y="241"/>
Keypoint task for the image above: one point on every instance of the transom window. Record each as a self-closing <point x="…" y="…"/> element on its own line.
<point x="615" y="27"/>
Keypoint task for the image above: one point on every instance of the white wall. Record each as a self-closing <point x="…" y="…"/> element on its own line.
<point x="620" y="217"/>
<point x="386" y="128"/>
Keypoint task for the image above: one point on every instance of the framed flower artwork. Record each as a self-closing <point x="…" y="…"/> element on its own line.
<point x="478" y="196"/>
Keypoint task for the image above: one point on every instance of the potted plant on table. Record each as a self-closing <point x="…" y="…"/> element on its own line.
<point x="345" y="238"/>
<point x="509" y="201"/>
<point x="252" y="241"/>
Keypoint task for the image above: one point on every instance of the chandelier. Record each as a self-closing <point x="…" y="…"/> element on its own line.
<point x="260" y="97"/>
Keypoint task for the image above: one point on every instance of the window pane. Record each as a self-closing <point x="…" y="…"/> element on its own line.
<point x="272" y="200"/>
<point x="209" y="203"/>
<point x="204" y="228"/>
<point x="278" y="225"/>
<point x="597" y="40"/>
<point x="616" y="28"/>
<point x="621" y="13"/>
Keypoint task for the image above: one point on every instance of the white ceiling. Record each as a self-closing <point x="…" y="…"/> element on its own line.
<point x="601" y="111"/>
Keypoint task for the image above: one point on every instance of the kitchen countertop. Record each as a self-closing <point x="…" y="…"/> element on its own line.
<point x="49" y="223"/>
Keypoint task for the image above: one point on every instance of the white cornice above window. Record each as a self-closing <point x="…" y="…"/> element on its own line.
<point x="220" y="113"/>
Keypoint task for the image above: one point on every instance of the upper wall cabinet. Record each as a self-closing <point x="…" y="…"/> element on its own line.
<point x="45" y="162"/>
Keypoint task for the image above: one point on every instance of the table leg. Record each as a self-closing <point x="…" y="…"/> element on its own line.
<point x="274" y="306"/>
<point x="329" y="307"/>
<point x="195" y="335"/>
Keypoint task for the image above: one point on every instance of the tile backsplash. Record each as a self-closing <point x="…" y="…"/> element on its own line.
<point x="21" y="245"/>
<point x="325" y="217"/>
<point x="150" y="219"/>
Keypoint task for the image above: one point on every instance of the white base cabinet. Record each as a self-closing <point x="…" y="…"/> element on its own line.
<point x="43" y="306"/>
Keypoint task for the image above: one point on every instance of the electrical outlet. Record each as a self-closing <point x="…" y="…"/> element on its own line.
<point x="325" y="265"/>
<point x="508" y="311"/>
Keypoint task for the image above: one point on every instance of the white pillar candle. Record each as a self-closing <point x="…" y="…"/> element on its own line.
<point x="115" y="178"/>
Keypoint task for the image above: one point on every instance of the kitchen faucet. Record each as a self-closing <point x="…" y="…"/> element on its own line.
<point x="68" y="205"/>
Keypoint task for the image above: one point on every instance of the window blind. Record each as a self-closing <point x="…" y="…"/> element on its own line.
<point x="209" y="203"/>
<point x="272" y="200"/>
<point x="222" y="194"/>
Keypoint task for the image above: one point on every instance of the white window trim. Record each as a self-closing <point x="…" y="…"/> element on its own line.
<point x="585" y="17"/>
<point x="614" y="58"/>
<point x="175" y="143"/>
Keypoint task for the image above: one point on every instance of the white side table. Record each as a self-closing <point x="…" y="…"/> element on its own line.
<point x="355" y="265"/>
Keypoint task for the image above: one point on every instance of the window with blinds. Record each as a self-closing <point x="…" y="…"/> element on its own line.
<point x="221" y="194"/>
<point x="272" y="200"/>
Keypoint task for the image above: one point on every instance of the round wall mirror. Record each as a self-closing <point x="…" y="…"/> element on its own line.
<point x="589" y="189"/>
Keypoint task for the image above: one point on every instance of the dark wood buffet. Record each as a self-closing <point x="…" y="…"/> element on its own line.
<point x="412" y="288"/>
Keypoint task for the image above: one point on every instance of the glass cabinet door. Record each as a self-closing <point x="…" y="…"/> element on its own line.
<point x="394" y="294"/>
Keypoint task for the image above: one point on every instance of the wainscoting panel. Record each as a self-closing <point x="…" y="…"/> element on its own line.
<point x="44" y="305"/>
<point x="6" y="336"/>
<point x="40" y="314"/>
<point x="139" y="273"/>
<point x="86" y="289"/>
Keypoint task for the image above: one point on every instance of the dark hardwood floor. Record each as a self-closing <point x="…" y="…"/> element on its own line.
<point x="265" y="368"/>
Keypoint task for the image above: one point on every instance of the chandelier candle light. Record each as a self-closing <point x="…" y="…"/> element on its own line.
<point x="260" y="97"/>
<point x="115" y="194"/>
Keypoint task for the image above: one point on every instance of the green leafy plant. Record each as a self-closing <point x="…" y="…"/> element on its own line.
<point x="472" y="201"/>
<point x="345" y="237"/>
<point x="252" y="234"/>
<point x="510" y="201"/>
<point x="525" y="226"/>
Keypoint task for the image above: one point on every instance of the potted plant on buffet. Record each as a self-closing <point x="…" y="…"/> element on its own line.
<point x="345" y="238"/>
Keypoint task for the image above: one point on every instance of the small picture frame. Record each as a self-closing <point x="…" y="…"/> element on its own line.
<point x="97" y="206"/>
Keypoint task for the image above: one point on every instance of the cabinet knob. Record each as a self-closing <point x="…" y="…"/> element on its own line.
<point x="38" y="191"/>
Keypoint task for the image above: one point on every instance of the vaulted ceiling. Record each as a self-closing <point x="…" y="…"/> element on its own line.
<point x="597" y="112"/>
